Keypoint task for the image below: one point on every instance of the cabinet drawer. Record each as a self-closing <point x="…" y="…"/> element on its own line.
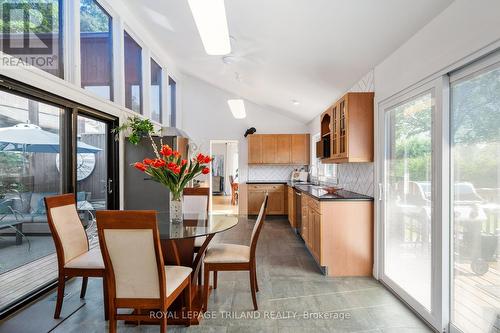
<point x="314" y="204"/>
<point x="266" y="187"/>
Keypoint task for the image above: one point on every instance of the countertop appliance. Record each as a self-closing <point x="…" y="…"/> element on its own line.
<point x="298" y="210"/>
<point x="140" y="191"/>
<point x="299" y="176"/>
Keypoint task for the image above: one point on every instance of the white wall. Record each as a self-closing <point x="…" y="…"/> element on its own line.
<point x="206" y="116"/>
<point x="460" y="30"/>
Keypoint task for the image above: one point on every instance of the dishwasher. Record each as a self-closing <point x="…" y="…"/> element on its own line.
<point x="298" y="211"/>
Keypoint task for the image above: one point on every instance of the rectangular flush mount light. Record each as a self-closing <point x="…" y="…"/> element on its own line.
<point x="237" y="107"/>
<point x="211" y="21"/>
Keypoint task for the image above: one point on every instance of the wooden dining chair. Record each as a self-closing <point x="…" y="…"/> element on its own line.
<point x="234" y="257"/>
<point x="74" y="257"/>
<point x="135" y="272"/>
<point x="196" y="201"/>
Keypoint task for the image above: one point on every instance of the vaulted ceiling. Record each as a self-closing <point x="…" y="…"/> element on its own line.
<point x="310" y="51"/>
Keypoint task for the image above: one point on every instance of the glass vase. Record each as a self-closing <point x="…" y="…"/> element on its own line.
<point x="176" y="209"/>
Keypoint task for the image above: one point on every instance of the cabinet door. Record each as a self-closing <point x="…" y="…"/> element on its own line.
<point x="300" y="149"/>
<point x="276" y="203"/>
<point x="283" y="145"/>
<point x="291" y="207"/>
<point x="254" y="149"/>
<point x="303" y="229"/>
<point x="343" y="128"/>
<point x="268" y="148"/>
<point x="317" y="236"/>
<point x="255" y="199"/>
<point x="335" y="132"/>
<point x="310" y="228"/>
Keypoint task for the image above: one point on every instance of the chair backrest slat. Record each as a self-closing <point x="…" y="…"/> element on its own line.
<point x="130" y="245"/>
<point x="258" y="227"/>
<point x="66" y="227"/>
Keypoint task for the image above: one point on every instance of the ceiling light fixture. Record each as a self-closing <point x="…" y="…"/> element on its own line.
<point x="295" y="102"/>
<point x="237" y="107"/>
<point x="211" y="21"/>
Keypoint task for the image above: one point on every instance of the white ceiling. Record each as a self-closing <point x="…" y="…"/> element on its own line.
<point x="306" y="50"/>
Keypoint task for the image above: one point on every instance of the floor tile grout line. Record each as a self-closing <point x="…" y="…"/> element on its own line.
<point x="323" y="294"/>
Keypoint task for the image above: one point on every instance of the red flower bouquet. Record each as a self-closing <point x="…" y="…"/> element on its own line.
<point x="171" y="170"/>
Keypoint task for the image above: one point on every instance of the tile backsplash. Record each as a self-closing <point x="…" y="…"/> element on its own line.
<point x="270" y="172"/>
<point x="356" y="177"/>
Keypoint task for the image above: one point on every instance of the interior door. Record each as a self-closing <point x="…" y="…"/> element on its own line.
<point x="96" y="163"/>
<point x="411" y="200"/>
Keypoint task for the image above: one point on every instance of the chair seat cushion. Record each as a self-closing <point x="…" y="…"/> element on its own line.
<point x="198" y="241"/>
<point x="175" y="276"/>
<point x="227" y="253"/>
<point x="89" y="260"/>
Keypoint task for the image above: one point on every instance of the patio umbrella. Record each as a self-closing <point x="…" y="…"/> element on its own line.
<point x="32" y="139"/>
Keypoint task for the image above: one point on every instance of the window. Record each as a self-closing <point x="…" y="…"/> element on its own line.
<point x="156" y="85"/>
<point x="41" y="44"/>
<point x="324" y="172"/>
<point x="475" y="196"/>
<point x="133" y="74"/>
<point x="96" y="49"/>
<point x="315" y="162"/>
<point x="173" y="102"/>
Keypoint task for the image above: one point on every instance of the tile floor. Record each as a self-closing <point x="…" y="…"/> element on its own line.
<point x="293" y="297"/>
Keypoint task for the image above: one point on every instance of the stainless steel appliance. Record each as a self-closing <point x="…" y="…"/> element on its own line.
<point x="140" y="191"/>
<point x="298" y="211"/>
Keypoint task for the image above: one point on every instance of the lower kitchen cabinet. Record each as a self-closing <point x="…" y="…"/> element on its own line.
<point x="339" y="235"/>
<point x="277" y="201"/>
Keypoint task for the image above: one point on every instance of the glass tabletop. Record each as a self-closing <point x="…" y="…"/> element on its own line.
<point x="194" y="225"/>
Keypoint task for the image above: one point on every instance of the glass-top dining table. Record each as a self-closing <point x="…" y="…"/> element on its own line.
<point x="178" y="246"/>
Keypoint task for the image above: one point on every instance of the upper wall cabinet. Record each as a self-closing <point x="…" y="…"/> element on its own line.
<point x="278" y="149"/>
<point x="347" y="130"/>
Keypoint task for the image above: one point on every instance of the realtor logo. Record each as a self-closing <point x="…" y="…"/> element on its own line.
<point x="30" y="34"/>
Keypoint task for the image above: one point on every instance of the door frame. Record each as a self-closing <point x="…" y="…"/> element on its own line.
<point x="112" y="186"/>
<point x="225" y="158"/>
<point x="438" y="317"/>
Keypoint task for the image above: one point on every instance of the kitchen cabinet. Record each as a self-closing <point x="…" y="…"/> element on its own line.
<point x="254" y="149"/>
<point x="276" y="203"/>
<point x="269" y="149"/>
<point x="350" y="131"/>
<point x="339" y="235"/>
<point x="291" y="207"/>
<point x="283" y="146"/>
<point x="300" y="148"/>
<point x="279" y="149"/>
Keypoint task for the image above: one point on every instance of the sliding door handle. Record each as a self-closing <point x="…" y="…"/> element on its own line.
<point x="380" y="191"/>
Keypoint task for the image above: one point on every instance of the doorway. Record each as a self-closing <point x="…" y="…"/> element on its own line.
<point x="224" y="176"/>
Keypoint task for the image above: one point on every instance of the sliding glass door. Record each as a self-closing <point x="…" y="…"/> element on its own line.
<point x="475" y="200"/>
<point x="48" y="146"/>
<point x="411" y="247"/>
<point x="31" y="136"/>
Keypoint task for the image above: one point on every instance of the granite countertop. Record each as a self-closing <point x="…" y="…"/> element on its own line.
<point x="316" y="191"/>
<point x="341" y="195"/>
<point x="266" y="182"/>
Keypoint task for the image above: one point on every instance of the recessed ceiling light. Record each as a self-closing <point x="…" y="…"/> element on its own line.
<point x="237" y="107"/>
<point x="295" y="102"/>
<point x="211" y="21"/>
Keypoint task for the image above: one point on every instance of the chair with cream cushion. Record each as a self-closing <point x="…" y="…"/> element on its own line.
<point x="74" y="258"/>
<point x="135" y="272"/>
<point x="234" y="257"/>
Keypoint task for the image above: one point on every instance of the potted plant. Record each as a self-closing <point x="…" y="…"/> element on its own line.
<point x="138" y="128"/>
<point x="171" y="170"/>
